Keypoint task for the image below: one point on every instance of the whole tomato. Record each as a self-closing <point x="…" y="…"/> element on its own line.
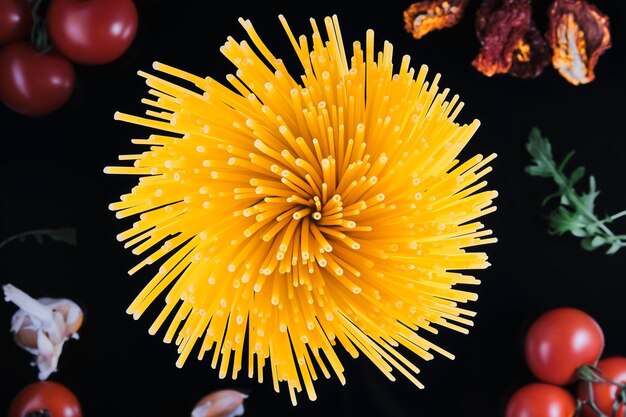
<point x="16" y="20"/>
<point x="54" y="397"/>
<point x="604" y="394"/>
<point x="34" y="83"/>
<point x="561" y="340"/>
<point x="539" y="399"/>
<point x="92" y="32"/>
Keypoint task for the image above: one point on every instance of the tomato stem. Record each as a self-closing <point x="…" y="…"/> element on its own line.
<point x="38" y="413"/>
<point x="590" y="375"/>
<point x="39" y="34"/>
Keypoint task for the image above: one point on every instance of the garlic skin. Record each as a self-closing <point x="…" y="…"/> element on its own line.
<point x="221" y="403"/>
<point x="41" y="326"/>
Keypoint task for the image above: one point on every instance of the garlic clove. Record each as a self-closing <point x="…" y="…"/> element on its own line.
<point x="41" y="326"/>
<point x="221" y="403"/>
<point x="27" y="303"/>
<point x="48" y="355"/>
<point x="70" y="311"/>
<point x="26" y="338"/>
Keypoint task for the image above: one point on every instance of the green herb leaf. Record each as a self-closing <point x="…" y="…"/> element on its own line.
<point x="65" y="235"/>
<point x="541" y="151"/>
<point x="577" y="174"/>
<point x="575" y="213"/>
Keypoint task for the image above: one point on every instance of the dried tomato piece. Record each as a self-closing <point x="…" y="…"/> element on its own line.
<point x="424" y="16"/>
<point x="510" y="41"/>
<point x="531" y="55"/>
<point x="578" y="34"/>
<point x="500" y="25"/>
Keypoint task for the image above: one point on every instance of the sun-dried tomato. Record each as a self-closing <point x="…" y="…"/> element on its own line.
<point x="500" y="25"/>
<point x="424" y="16"/>
<point x="578" y="34"/>
<point x="531" y="55"/>
<point x="509" y="40"/>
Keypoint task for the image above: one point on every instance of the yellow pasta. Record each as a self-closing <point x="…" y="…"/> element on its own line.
<point x="293" y="216"/>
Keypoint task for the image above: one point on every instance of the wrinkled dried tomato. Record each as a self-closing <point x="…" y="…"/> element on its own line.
<point x="425" y="16"/>
<point x="509" y="40"/>
<point x="578" y="34"/>
<point x="531" y="55"/>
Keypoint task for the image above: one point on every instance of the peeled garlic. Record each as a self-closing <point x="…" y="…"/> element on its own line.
<point x="41" y="326"/>
<point x="222" y="403"/>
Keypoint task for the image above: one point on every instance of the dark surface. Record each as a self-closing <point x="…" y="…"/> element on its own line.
<point x="51" y="176"/>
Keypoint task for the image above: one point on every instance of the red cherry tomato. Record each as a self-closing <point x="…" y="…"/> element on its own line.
<point x="92" y="32"/>
<point x="32" y="83"/>
<point x="59" y="400"/>
<point x="604" y="394"/>
<point x="16" y="20"/>
<point x="561" y="340"/>
<point x="538" y="399"/>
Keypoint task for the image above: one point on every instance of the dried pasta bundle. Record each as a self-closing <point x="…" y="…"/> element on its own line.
<point x="292" y="217"/>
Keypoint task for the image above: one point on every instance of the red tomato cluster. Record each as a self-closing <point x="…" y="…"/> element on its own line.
<point x="35" y="82"/>
<point x="563" y="349"/>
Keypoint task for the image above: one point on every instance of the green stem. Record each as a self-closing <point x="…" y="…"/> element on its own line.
<point x="590" y="375"/>
<point x="39" y="33"/>
<point x="22" y="235"/>
<point x="618" y="215"/>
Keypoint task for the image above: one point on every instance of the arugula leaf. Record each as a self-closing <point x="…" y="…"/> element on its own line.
<point x="576" y="211"/>
<point x="66" y="235"/>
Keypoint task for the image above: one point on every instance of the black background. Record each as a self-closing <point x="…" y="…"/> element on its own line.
<point x="51" y="175"/>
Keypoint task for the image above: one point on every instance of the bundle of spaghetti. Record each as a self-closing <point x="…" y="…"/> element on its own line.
<point x="293" y="217"/>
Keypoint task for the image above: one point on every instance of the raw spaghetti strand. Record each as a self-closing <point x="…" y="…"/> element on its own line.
<point x="297" y="214"/>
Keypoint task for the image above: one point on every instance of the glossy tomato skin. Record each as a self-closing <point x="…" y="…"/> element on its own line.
<point x="32" y="83"/>
<point x="58" y="399"/>
<point x="16" y="20"/>
<point x="561" y="340"/>
<point x="92" y="32"/>
<point x="613" y="369"/>
<point x="539" y="399"/>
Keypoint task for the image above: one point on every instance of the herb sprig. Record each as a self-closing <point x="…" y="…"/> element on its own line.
<point x="66" y="234"/>
<point x="576" y="210"/>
